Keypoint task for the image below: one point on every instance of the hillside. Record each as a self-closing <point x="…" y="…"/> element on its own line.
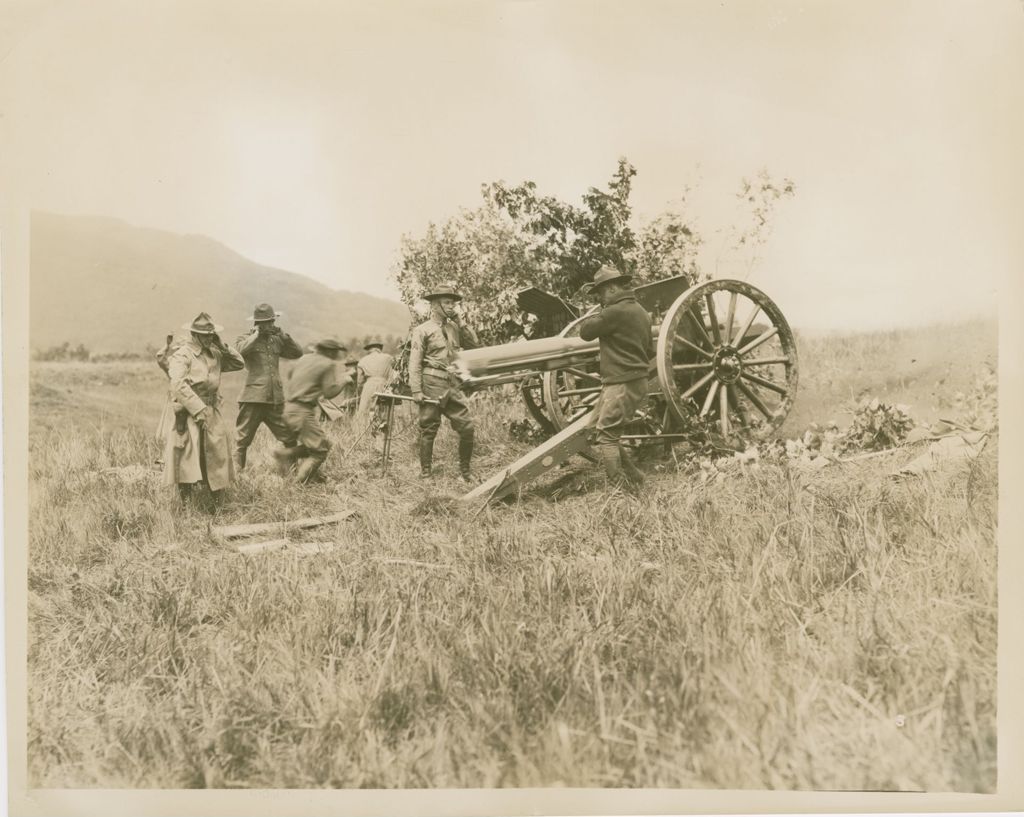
<point x="115" y="287"/>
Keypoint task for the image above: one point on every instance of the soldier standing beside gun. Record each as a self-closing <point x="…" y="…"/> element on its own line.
<point x="198" y="446"/>
<point x="624" y="330"/>
<point x="313" y="377"/>
<point x="373" y="370"/>
<point x="262" y="399"/>
<point x="435" y="344"/>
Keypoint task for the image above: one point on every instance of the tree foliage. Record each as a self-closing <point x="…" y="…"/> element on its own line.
<point x="518" y="238"/>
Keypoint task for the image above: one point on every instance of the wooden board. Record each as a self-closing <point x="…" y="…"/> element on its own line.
<point x="240" y="531"/>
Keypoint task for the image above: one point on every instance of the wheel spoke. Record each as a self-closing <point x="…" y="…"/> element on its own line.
<point x="698" y="321"/>
<point x="587" y="390"/>
<point x="767" y="335"/>
<point x="731" y="316"/>
<point x="583" y="374"/>
<point x="682" y="367"/>
<point x="694" y="346"/>
<point x="713" y="318"/>
<point x="765" y="361"/>
<point x="746" y="326"/>
<point x="710" y="398"/>
<point x="723" y="409"/>
<point x="686" y="395"/>
<point x="768" y="384"/>
<point x="753" y="398"/>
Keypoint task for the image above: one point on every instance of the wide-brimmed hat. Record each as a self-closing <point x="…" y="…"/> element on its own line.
<point x="606" y="275"/>
<point x="330" y="345"/>
<point x="202" y="324"/>
<point x="373" y="344"/>
<point x="443" y="292"/>
<point x="264" y="312"/>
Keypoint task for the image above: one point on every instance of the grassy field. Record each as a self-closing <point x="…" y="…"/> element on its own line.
<point x="781" y="629"/>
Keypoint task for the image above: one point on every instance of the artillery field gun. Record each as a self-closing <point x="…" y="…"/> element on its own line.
<point x="725" y="361"/>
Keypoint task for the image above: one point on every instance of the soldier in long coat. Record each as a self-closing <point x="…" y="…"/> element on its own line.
<point x="262" y="399"/>
<point x="373" y="370"/>
<point x="201" y="450"/>
<point x="435" y="344"/>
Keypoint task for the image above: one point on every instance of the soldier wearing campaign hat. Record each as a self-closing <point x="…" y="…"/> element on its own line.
<point x="262" y="399"/>
<point x="623" y="328"/>
<point x="314" y="377"/>
<point x="198" y="447"/>
<point x="372" y="372"/>
<point x="434" y="346"/>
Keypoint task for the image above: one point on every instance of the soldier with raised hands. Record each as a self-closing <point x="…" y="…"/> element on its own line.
<point x="434" y="345"/>
<point x="262" y="399"/>
<point x="198" y="447"/>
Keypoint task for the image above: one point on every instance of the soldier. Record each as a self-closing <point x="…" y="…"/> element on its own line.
<point x="434" y="345"/>
<point x="262" y="399"/>
<point x="199" y="449"/>
<point x="624" y="330"/>
<point x="373" y="370"/>
<point x="313" y="377"/>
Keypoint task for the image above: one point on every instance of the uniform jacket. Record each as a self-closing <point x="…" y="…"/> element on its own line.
<point x="624" y="329"/>
<point x="313" y="377"/>
<point x="195" y="385"/>
<point x="431" y="350"/>
<point x="375" y="364"/>
<point x="262" y="353"/>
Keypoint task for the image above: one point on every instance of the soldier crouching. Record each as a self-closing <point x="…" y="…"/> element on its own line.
<point x="313" y="377"/>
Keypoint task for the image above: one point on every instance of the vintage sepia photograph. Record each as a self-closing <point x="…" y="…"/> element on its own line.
<point x="505" y="395"/>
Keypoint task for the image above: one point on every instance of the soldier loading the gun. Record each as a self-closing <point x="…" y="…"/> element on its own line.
<point x="314" y="376"/>
<point x="262" y="399"/>
<point x="435" y="344"/>
<point x="198" y="446"/>
<point x="623" y="328"/>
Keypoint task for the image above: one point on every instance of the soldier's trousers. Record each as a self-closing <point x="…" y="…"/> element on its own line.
<point x="450" y="404"/>
<point x="615" y="409"/>
<point x="251" y="416"/>
<point x="308" y="434"/>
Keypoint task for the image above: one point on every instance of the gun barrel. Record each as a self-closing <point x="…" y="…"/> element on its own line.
<point x="538" y="355"/>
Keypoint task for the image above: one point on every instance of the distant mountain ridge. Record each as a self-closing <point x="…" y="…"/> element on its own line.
<point x="115" y="287"/>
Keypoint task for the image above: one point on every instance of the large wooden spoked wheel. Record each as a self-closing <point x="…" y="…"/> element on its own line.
<point x="570" y="393"/>
<point x="726" y="356"/>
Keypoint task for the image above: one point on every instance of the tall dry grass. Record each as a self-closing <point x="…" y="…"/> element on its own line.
<point x="783" y="629"/>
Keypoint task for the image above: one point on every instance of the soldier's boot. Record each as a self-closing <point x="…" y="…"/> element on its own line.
<point x="426" y="456"/>
<point x="465" y="455"/>
<point x="184" y="492"/>
<point x="634" y="476"/>
<point x="611" y="460"/>
<point x="240" y="459"/>
<point x="308" y="470"/>
<point x="285" y="459"/>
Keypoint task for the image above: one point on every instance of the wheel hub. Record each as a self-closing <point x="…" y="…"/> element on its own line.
<point x="728" y="364"/>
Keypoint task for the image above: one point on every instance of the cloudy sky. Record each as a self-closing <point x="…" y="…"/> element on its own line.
<point x="311" y="135"/>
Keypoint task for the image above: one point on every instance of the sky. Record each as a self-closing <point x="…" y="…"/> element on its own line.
<point x="311" y="135"/>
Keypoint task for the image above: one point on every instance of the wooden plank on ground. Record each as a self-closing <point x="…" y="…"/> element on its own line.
<point x="240" y="531"/>
<point x="262" y="547"/>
